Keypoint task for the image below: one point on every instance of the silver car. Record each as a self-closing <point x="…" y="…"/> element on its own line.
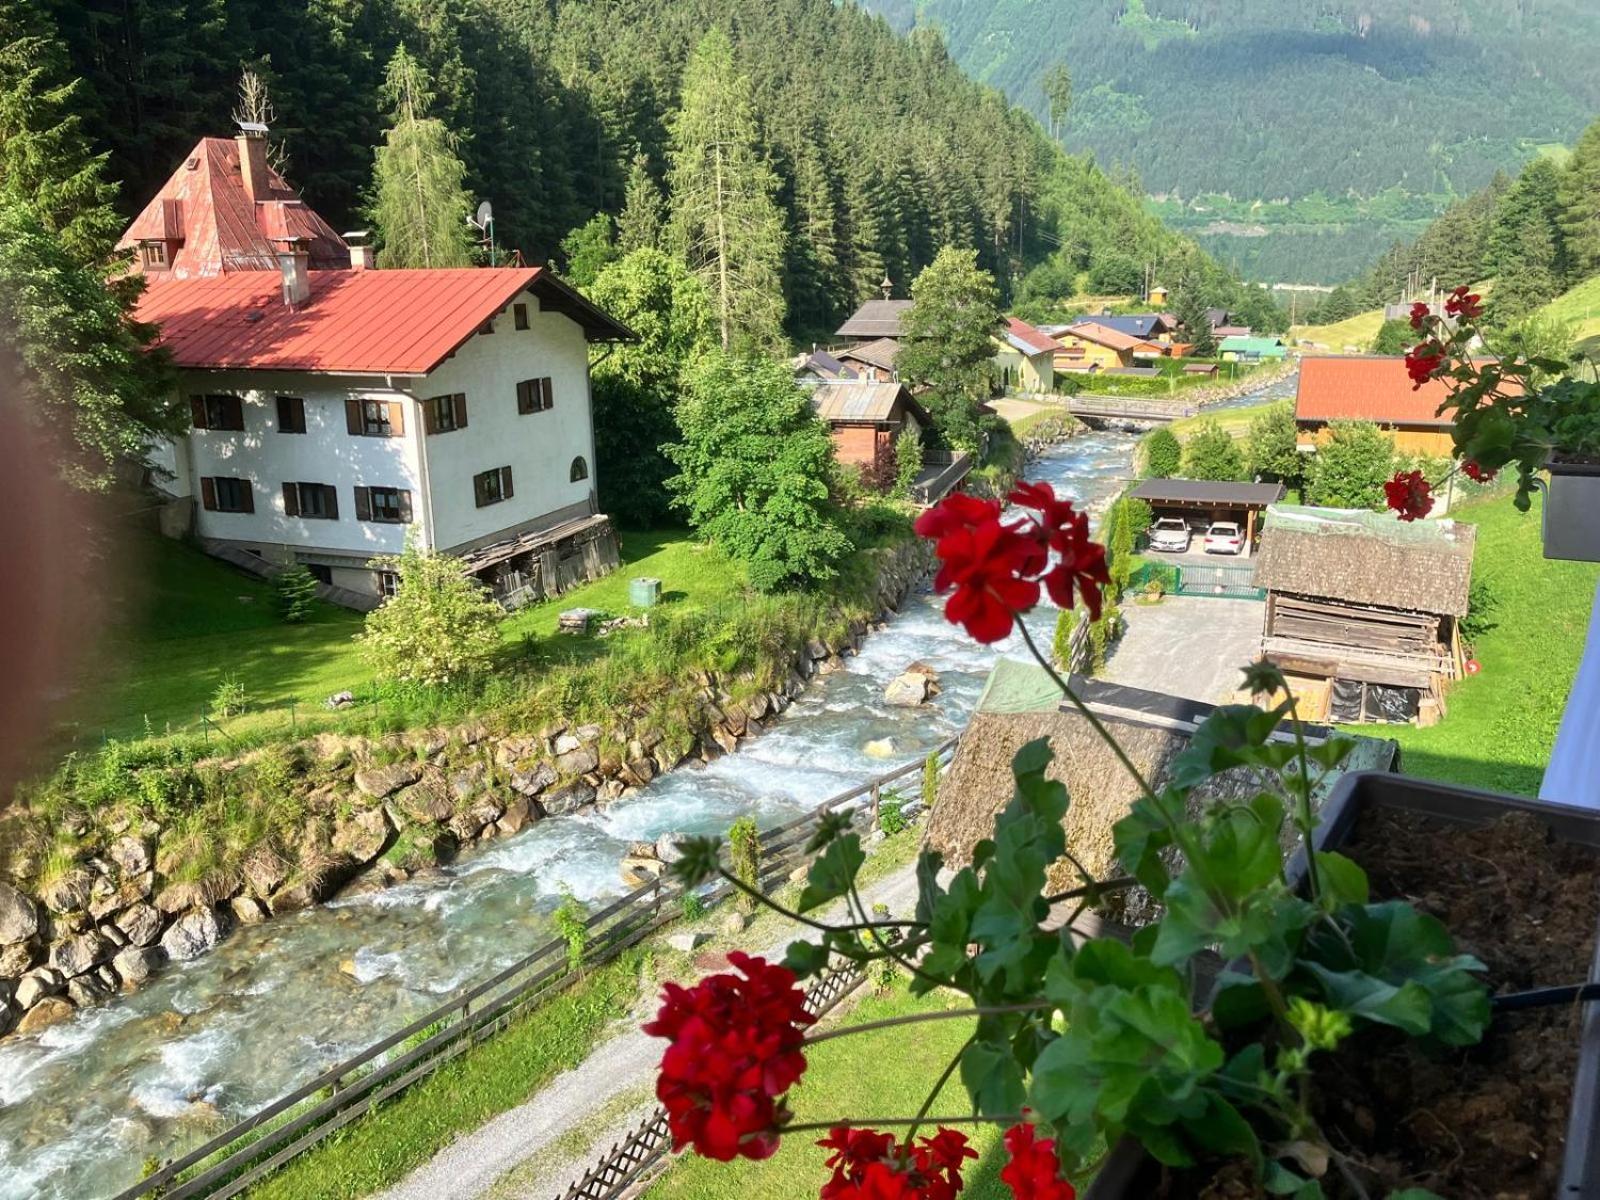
<point x="1170" y="535"/>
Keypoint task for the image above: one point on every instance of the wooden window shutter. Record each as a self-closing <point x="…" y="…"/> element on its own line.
<point x="405" y="505"/>
<point x="363" y="504"/>
<point x="525" y="397"/>
<point x="235" y="407"/>
<point x="197" y="411"/>
<point x="459" y="400"/>
<point x="505" y="483"/>
<point x="544" y="391"/>
<point x="291" y="499"/>
<point x="352" y="416"/>
<point x="397" y="419"/>
<point x="429" y="424"/>
<point x="208" y="494"/>
<point x="478" y="495"/>
<point x="247" y="496"/>
<point x="330" y="500"/>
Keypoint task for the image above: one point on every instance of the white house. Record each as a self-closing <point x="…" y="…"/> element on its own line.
<point x="333" y="411"/>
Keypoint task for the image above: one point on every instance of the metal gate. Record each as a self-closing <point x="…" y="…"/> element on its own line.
<point x="1230" y="581"/>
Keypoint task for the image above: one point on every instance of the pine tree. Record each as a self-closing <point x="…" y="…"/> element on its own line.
<point x="45" y="160"/>
<point x="725" y="220"/>
<point x="639" y="226"/>
<point x="420" y="206"/>
<point x="947" y="341"/>
<point x="1189" y="306"/>
<point x="1058" y="93"/>
<point x="1580" y="204"/>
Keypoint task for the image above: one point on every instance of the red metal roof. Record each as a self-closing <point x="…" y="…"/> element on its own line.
<point x="356" y="322"/>
<point x="205" y="208"/>
<point x="1360" y="388"/>
<point x="1104" y="335"/>
<point x="1036" y="340"/>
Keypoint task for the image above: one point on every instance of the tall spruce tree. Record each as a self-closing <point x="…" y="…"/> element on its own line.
<point x="420" y="206"/>
<point x="1580" y="204"/>
<point x="725" y="221"/>
<point x="639" y="226"/>
<point x="947" y="341"/>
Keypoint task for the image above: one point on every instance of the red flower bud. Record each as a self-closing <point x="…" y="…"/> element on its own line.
<point x="1478" y="474"/>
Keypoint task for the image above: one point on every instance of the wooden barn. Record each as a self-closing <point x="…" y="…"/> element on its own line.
<point x="1364" y="611"/>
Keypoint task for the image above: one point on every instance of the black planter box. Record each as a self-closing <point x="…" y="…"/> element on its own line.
<point x="1130" y="1174"/>
<point x="1572" y="512"/>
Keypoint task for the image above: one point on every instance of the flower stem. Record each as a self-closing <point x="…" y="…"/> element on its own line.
<point x="762" y="898"/>
<point x="991" y="1010"/>
<point x="886" y="1122"/>
<point x="938" y="1086"/>
<point x="1093" y="890"/>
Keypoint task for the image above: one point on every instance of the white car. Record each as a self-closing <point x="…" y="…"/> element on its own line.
<point x="1170" y="535"/>
<point x="1224" y="538"/>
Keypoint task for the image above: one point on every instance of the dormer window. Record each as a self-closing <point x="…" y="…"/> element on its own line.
<point x="154" y="256"/>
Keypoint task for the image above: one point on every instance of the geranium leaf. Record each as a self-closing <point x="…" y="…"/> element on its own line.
<point x="833" y="873"/>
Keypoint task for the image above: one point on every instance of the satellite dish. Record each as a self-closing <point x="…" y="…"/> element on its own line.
<point x="485" y="215"/>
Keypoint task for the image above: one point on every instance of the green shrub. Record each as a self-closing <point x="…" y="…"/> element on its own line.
<point x="439" y="626"/>
<point x="891" y="814"/>
<point x="930" y="780"/>
<point x="744" y="855"/>
<point x="692" y="905"/>
<point x="569" y="919"/>
<point x="907" y="459"/>
<point x="229" y="700"/>
<point x="1212" y="454"/>
<point x="1163" y="454"/>
<point x="1061" y="644"/>
<point x="296" y="591"/>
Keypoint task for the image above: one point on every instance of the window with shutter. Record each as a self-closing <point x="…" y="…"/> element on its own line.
<point x="389" y="506"/>
<point x="315" y="501"/>
<point x="217" y="412"/>
<point x="197" y="411"/>
<point x="519" y="315"/>
<point x="533" y="395"/>
<point x="544" y="392"/>
<point x="444" y="414"/>
<point x="363" y="504"/>
<point x="376" y="418"/>
<point x="227" y="494"/>
<point x="291" y="414"/>
<point x="491" y="487"/>
<point x="208" y="494"/>
<point x="525" y="397"/>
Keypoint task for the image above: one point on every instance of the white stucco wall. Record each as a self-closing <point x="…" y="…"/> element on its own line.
<point x="325" y="453"/>
<point x="538" y="447"/>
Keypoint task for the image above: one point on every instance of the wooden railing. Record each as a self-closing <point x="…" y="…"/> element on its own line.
<point x="255" y="1147"/>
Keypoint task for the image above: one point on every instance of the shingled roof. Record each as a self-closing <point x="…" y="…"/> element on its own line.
<point x="204" y="211"/>
<point x="875" y="319"/>
<point x="862" y="400"/>
<point x="1362" y="557"/>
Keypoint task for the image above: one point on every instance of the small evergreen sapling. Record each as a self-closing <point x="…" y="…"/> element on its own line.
<point x="296" y="590"/>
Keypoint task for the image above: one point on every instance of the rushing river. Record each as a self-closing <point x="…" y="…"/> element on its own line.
<point x="85" y="1103"/>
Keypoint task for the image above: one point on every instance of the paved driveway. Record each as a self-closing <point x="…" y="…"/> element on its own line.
<point x="1189" y="646"/>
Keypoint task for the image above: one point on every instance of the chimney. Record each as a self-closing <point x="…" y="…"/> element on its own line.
<point x="362" y="256"/>
<point x="294" y="260"/>
<point x="252" y="141"/>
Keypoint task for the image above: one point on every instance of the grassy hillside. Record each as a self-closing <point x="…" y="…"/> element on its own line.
<point x="1581" y="306"/>
<point x="1358" y="331"/>
<point x="1358" y="116"/>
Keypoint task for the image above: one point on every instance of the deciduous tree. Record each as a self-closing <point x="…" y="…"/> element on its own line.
<point x="588" y="250"/>
<point x="946" y="341"/>
<point x="754" y="466"/>
<point x="1274" y="446"/>
<point x="439" y="627"/>
<point x="1351" y="467"/>
<point x="1163" y="454"/>
<point x="420" y="204"/>
<point x="1212" y="454"/>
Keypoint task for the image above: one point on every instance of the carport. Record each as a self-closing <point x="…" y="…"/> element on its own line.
<point x="1203" y="501"/>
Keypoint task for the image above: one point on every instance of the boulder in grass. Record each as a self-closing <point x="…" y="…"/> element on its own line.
<point x="192" y="934"/>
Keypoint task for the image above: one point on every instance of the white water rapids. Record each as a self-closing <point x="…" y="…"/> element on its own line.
<point x="85" y="1103"/>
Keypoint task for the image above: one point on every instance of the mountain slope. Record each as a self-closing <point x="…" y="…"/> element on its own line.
<point x="1401" y="103"/>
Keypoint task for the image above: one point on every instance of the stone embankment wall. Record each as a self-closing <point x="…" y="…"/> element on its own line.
<point x="379" y="811"/>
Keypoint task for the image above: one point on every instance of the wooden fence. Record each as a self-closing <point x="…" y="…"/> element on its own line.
<point x="647" y="1143"/>
<point x="247" y="1152"/>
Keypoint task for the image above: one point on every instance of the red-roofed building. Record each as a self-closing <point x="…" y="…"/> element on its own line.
<point x="1376" y="389"/>
<point x="335" y="412"/>
<point x="1024" y="357"/>
<point x="223" y="210"/>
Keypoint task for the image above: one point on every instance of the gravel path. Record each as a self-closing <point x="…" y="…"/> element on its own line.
<point x="534" y="1151"/>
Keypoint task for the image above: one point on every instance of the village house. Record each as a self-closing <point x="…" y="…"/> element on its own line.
<point x="1024" y="358"/>
<point x="872" y="360"/>
<point x="874" y="319"/>
<point x="1376" y="389"/>
<point x="1363" y="610"/>
<point x="1247" y="349"/>
<point x="1100" y="347"/>
<point x="1152" y="327"/>
<point x="337" y="412"/>
<point x="865" y="419"/>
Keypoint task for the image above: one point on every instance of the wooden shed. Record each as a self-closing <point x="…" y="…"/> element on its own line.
<point x="865" y="419"/>
<point x="1366" y="609"/>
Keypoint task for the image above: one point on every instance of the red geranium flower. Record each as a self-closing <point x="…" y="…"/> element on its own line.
<point x="1410" y="495"/>
<point x="1423" y="361"/>
<point x="1080" y="563"/>
<point x="1464" y="304"/>
<point x="868" y="1165"/>
<point x="735" y="1051"/>
<point x="955" y="512"/>
<point x="1420" y="313"/>
<point x="1473" y="471"/>
<point x="1034" y="1172"/>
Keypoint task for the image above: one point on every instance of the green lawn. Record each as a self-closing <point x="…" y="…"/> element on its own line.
<point x="1234" y="421"/>
<point x="187" y="620"/>
<point x="1581" y="306"/>
<point x="885" y="1073"/>
<point x="1357" y="331"/>
<point x="1502" y="722"/>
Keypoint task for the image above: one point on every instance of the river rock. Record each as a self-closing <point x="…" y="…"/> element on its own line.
<point x="192" y="934"/>
<point x="140" y="924"/>
<point x="302" y="891"/>
<point x="565" y="743"/>
<point x="468" y="780"/>
<point x="733" y="922"/>
<point x="467" y="824"/>
<point x="379" y="782"/>
<point x="247" y="910"/>
<point x="518" y="811"/>
<point x="69" y="893"/>
<point x="906" y="691"/>
<point x="689" y="942"/>
<point x="568" y="799"/>
<point x="211" y="888"/>
<point x="88" y="990"/>
<point x="364" y="836"/>
<point x="638" y="870"/>
<point x="534" y="780"/>
<point x="511" y="750"/>
<point x="264" y="872"/>
<point x="577" y="761"/>
<point x="79" y="953"/>
<point x="131" y="855"/>
<point x="428" y="802"/>
<point x="16" y="958"/>
<point x="112" y="934"/>
<point x="50" y="1011"/>
<point x="879" y="748"/>
<point x="136" y="964"/>
<point x="426" y="742"/>
<point x="38" y="984"/>
<point x="19" y="919"/>
<point x="669" y="846"/>
<point x="921" y="668"/>
<point x="724" y="738"/>
<point x="638" y="771"/>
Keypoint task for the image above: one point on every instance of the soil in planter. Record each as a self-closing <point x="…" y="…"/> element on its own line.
<point x="1487" y="1122"/>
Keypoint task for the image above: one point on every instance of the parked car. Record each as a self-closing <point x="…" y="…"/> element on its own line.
<point x="1224" y="538"/>
<point x="1170" y="534"/>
